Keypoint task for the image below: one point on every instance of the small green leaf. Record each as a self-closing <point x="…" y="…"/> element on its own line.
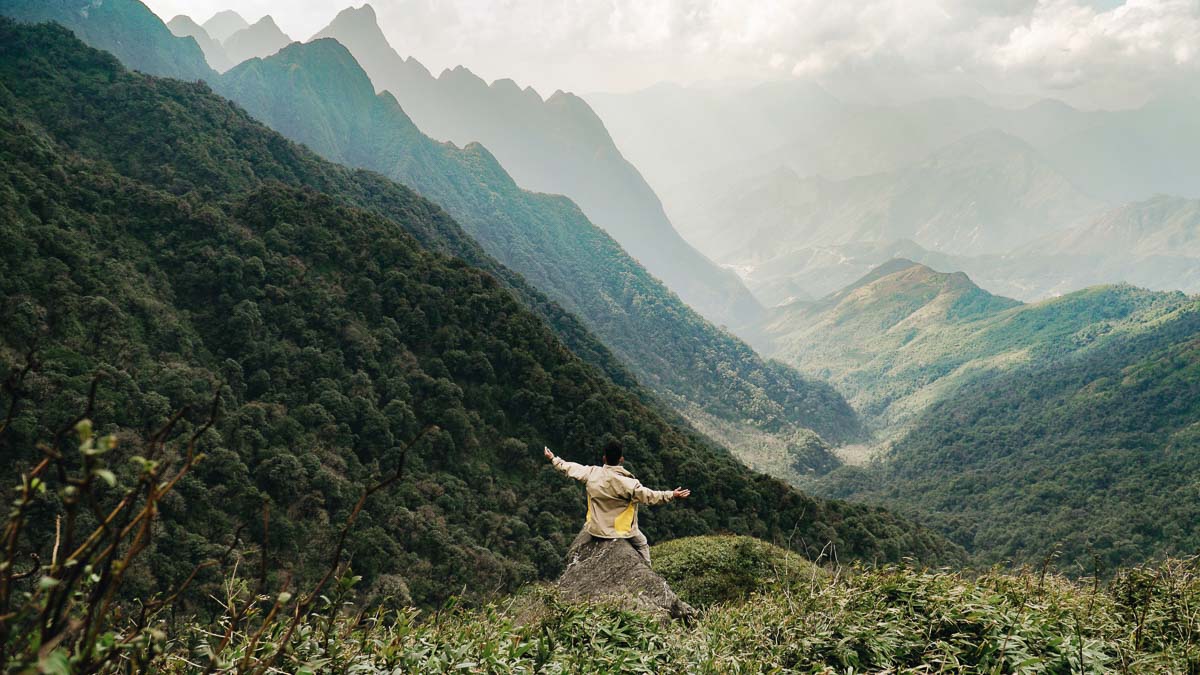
<point x="107" y="476"/>
<point x="84" y="429"/>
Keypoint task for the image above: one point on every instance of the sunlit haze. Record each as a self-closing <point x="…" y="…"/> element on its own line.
<point x="1090" y="54"/>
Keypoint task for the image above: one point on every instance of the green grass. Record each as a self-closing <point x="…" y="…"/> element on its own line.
<point x="860" y="619"/>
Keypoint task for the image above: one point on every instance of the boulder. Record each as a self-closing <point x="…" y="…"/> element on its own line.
<point x="610" y="570"/>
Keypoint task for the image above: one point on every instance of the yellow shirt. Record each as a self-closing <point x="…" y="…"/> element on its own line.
<point x="613" y="495"/>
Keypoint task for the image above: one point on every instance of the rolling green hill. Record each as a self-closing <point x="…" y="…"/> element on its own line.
<point x="181" y="248"/>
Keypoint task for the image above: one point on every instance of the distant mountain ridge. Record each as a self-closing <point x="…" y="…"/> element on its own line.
<point x="1151" y="244"/>
<point x="224" y="23"/>
<point x="1077" y="436"/>
<point x="559" y="146"/>
<point x="988" y="193"/>
<point x="896" y="339"/>
<point x="904" y="335"/>
<point x="262" y="38"/>
<point x="819" y="142"/>
<point x="214" y="53"/>
<point x="1066" y="427"/>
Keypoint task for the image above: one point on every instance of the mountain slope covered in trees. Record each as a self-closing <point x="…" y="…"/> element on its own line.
<point x="124" y="28"/>
<point x="905" y="336"/>
<point x="1090" y="457"/>
<point x="557" y="145"/>
<point x="177" y="250"/>
<point x="1019" y="430"/>
<point x="317" y="94"/>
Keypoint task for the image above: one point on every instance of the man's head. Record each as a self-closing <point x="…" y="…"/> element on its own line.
<point x="614" y="452"/>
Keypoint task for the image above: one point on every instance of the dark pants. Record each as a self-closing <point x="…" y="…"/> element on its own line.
<point x="637" y="541"/>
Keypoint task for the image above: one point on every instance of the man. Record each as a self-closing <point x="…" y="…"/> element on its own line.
<point x="613" y="495"/>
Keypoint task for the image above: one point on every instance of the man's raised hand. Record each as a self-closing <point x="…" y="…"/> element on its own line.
<point x="549" y="455"/>
<point x="681" y="493"/>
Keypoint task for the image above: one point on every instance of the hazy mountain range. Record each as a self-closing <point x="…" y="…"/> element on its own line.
<point x="833" y="189"/>
<point x="557" y="145"/>
<point x="227" y="39"/>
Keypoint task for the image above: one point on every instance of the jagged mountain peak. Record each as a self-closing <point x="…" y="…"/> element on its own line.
<point x="462" y="76"/>
<point x="357" y="18"/>
<point x="223" y="24"/>
<point x="556" y="146"/>
<point x="328" y="57"/>
<point x="183" y="21"/>
<point x="263" y="38"/>
<point x="184" y="26"/>
<point x="266" y="23"/>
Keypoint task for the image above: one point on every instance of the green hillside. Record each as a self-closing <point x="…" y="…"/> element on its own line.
<point x="182" y="249"/>
<point x="125" y="29"/>
<point x="905" y="336"/>
<point x="1090" y="456"/>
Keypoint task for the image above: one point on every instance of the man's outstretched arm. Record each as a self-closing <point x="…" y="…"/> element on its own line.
<point x="644" y="495"/>
<point x="576" y="471"/>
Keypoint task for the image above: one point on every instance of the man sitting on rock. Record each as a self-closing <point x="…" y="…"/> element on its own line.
<point x="613" y="495"/>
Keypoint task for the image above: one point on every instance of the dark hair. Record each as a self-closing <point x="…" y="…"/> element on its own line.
<point x="613" y="452"/>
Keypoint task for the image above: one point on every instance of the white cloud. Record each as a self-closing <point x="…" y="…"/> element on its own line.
<point x="1034" y="47"/>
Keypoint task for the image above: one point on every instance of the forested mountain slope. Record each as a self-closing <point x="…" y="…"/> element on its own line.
<point x="317" y="94"/>
<point x="123" y="27"/>
<point x="1090" y="456"/>
<point x="557" y="145"/>
<point x="905" y="336"/>
<point x="179" y="248"/>
<point x="1019" y="430"/>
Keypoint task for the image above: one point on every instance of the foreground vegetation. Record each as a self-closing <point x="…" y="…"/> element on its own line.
<point x="762" y="609"/>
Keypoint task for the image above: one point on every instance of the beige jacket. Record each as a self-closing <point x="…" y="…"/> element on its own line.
<point x="613" y="495"/>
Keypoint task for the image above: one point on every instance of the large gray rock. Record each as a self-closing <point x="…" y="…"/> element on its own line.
<point x="609" y="569"/>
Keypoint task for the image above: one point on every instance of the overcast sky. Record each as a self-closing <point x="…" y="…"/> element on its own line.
<point x="1089" y="52"/>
